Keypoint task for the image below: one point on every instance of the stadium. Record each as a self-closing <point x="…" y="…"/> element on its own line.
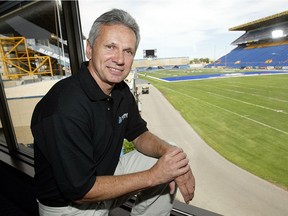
<point x="48" y="46"/>
<point x="264" y="45"/>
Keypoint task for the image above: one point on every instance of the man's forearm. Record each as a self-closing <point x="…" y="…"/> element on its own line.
<point x="110" y="187"/>
<point x="151" y="145"/>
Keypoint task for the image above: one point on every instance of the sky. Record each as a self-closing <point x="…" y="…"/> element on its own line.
<point x="185" y="28"/>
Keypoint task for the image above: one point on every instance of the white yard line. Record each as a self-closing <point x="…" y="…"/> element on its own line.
<point x="245" y="102"/>
<point x="261" y="86"/>
<point x="270" y="98"/>
<point x="276" y="99"/>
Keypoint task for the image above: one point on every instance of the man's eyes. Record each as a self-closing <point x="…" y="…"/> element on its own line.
<point x="129" y="52"/>
<point x="113" y="47"/>
<point x="110" y="46"/>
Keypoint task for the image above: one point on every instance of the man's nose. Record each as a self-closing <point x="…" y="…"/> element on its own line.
<point x="118" y="58"/>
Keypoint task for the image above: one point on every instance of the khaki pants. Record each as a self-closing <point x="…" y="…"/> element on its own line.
<point x="154" y="201"/>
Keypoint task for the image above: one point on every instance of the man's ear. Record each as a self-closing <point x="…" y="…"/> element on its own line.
<point x="88" y="50"/>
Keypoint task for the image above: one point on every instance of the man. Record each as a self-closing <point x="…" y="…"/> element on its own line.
<point x="79" y="127"/>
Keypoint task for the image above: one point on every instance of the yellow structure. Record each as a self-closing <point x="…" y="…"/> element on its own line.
<point x="17" y="60"/>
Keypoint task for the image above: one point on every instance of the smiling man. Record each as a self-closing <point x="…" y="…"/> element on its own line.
<point x="79" y="127"/>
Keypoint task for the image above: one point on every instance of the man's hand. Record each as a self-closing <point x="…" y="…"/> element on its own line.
<point x="170" y="166"/>
<point x="186" y="185"/>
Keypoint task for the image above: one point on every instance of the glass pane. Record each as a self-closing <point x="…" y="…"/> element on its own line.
<point x="33" y="50"/>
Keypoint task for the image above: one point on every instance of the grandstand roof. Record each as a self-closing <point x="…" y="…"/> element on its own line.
<point x="266" y="21"/>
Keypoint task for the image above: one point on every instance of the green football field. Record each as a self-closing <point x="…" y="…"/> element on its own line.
<point x="245" y="119"/>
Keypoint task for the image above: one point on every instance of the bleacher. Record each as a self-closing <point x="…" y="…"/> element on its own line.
<point x="257" y="57"/>
<point x="264" y="45"/>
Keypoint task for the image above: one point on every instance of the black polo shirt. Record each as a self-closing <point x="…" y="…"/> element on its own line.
<point x="78" y="135"/>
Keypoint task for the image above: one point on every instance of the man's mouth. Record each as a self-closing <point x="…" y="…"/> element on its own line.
<point x="115" y="70"/>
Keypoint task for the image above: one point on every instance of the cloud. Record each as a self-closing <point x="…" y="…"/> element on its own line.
<point x="176" y="28"/>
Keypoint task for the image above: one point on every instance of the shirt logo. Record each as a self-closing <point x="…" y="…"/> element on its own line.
<point x="121" y="118"/>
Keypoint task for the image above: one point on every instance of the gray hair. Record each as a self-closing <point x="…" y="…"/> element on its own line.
<point x="115" y="16"/>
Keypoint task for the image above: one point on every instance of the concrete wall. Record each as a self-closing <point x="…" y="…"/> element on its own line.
<point x="160" y="62"/>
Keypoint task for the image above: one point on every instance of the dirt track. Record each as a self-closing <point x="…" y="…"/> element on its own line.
<point x="221" y="187"/>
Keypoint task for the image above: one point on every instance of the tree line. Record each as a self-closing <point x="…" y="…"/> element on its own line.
<point x="200" y="61"/>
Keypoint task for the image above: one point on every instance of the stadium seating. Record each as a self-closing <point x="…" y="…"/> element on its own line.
<point x="255" y="56"/>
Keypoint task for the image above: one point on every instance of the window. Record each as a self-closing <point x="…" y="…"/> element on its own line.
<point x="34" y="55"/>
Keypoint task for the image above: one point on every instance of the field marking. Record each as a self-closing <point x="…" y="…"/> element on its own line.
<point x="245" y="102"/>
<point x="242" y="92"/>
<point x="270" y="86"/>
<point x="258" y="95"/>
<point x="234" y="113"/>
<point x="156" y="78"/>
<point x="221" y="75"/>
<point x="237" y="86"/>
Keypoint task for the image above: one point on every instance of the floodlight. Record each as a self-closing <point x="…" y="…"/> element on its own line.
<point x="277" y="33"/>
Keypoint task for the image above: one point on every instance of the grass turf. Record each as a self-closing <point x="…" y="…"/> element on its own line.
<point x="245" y="119"/>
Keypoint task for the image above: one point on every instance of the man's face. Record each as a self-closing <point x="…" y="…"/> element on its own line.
<point x="112" y="55"/>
